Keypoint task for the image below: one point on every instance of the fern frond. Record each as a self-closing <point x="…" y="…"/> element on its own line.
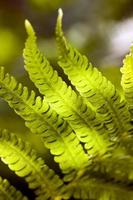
<point x="96" y="188"/>
<point x="23" y="160"/>
<point x="8" y="192"/>
<point x="127" y="79"/>
<point x="115" y="167"/>
<point x="63" y="99"/>
<point x="93" y="86"/>
<point x="41" y="119"/>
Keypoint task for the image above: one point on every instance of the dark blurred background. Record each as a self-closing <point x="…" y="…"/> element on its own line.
<point x="100" y="29"/>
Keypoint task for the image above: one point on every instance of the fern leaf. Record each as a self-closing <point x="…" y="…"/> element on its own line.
<point x="93" y="86"/>
<point x="25" y="163"/>
<point x="41" y="119"/>
<point x="97" y="188"/>
<point x="63" y="99"/>
<point x="127" y="79"/>
<point x="7" y="191"/>
<point x="115" y="167"/>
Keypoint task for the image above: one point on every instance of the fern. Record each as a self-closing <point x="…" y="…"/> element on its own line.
<point x="41" y="119"/>
<point x="25" y="163"/>
<point x="88" y="130"/>
<point x="99" y="189"/>
<point x="101" y="93"/>
<point x="7" y="191"/>
<point x="63" y="99"/>
<point x="93" y="86"/>
<point x="115" y="167"/>
<point x="127" y="79"/>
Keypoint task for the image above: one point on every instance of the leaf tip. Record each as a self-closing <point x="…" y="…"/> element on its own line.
<point x="60" y="13"/>
<point x="29" y="28"/>
<point x="58" y="29"/>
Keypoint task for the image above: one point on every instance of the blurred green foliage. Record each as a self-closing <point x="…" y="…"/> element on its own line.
<point x="115" y="10"/>
<point x="113" y="74"/>
<point x="9" y="45"/>
<point x="46" y="5"/>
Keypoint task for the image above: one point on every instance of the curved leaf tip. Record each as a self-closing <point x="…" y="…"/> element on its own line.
<point x="59" y="22"/>
<point x="29" y="28"/>
<point x="60" y="13"/>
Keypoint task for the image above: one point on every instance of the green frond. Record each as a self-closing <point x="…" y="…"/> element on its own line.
<point x="127" y="79"/>
<point x="115" y="167"/>
<point x="41" y="119"/>
<point x="128" y="143"/>
<point x="23" y="160"/>
<point x="96" y="188"/>
<point x="8" y="192"/>
<point x="93" y="86"/>
<point x="63" y="99"/>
